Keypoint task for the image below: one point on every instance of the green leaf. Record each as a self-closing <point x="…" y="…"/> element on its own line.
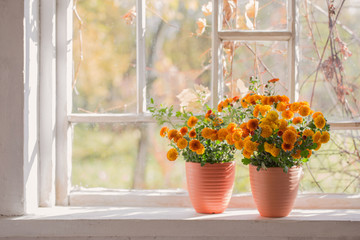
<point x="304" y="153"/>
<point x="246" y="161"/>
<point x="151" y="100"/>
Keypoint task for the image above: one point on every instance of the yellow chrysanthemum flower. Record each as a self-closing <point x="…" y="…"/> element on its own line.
<point x="268" y="147"/>
<point x="275" y="151"/>
<point x="195" y="145"/>
<point x="250" y="146"/>
<point x="316" y="137"/>
<point x="308" y="133"/>
<point x="172" y="154"/>
<point x="201" y="150"/>
<point x="192" y="121"/>
<point x="266" y="131"/>
<point x="182" y="143"/>
<point x="325" y="137"/>
<point x="163" y="131"/>
<point x="283" y="124"/>
<point x="264" y="109"/>
<point x="320" y="122"/>
<point x="289" y="137"/>
<point x="287" y="114"/>
<point x="304" y="111"/>
<point x="272" y="115"/>
<point x="237" y="135"/>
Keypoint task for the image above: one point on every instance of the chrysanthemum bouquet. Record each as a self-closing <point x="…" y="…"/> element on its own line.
<point x="278" y="133"/>
<point x="208" y="137"/>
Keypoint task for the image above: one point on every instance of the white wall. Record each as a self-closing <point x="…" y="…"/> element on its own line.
<point x="18" y="106"/>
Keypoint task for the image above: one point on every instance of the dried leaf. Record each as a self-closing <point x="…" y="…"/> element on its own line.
<point x="201" y="22"/>
<point x="240" y="23"/>
<point x="130" y="16"/>
<point x="207" y="9"/>
<point x="229" y="11"/>
<point x="343" y="48"/>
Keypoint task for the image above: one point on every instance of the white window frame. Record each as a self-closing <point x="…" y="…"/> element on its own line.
<point x="59" y="187"/>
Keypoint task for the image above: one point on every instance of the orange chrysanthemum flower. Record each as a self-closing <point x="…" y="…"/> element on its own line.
<point x="231" y="127"/>
<point x="283" y="124"/>
<point x="244" y="103"/>
<point x="214" y="135"/>
<point x="318" y="146"/>
<point x="268" y="147"/>
<point x="163" y="131"/>
<point x="182" y="143"/>
<point x="325" y="137"/>
<point x="296" y="155"/>
<point x="172" y="154"/>
<point x="295" y="107"/>
<point x="281" y="106"/>
<point x="289" y="137"/>
<point x="316" y="137"/>
<point x="192" y="121"/>
<point x="250" y="146"/>
<point x="320" y="122"/>
<point x="206" y="133"/>
<point x="222" y="133"/>
<point x="287" y="146"/>
<point x="308" y="133"/>
<point x="284" y="99"/>
<point x="192" y="133"/>
<point x="183" y="130"/>
<point x="287" y="114"/>
<point x="172" y="134"/>
<point x="229" y="139"/>
<point x="266" y="131"/>
<point x="265" y="100"/>
<point x="297" y="120"/>
<point x="201" y="150"/>
<point x="239" y="144"/>
<point x="264" y="109"/>
<point x="316" y="114"/>
<point x="237" y="135"/>
<point x="252" y="124"/>
<point x="310" y="153"/>
<point x="195" y="145"/>
<point x="208" y="113"/>
<point x="304" y="111"/>
<point x="275" y="152"/>
<point x="247" y="154"/>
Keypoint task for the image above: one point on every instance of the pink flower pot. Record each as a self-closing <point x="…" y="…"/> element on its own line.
<point x="210" y="186"/>
<point x="274" y="191"/>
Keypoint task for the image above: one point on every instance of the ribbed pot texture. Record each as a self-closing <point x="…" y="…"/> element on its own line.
<point x="210" y="186"/>
<point x="274" y="191"/>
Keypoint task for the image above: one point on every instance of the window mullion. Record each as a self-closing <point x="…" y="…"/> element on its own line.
<point x="140" y="55"/>
<point x="216" y="71"/>
<point x="292" y="55"/>
<point x="255" y="35"/>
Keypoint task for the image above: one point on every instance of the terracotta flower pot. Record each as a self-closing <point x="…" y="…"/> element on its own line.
<point x="210" y="186"/>
<point x="274" y="191"/>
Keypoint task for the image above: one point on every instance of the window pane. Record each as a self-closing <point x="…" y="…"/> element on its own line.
<point x="329" y="74"/>
<point x="123" y="156"/>
<point x="176" y="57"/>
<point x="105" y="78"/>
<point x="335" y="167"/>
<point x="240" y="63"/>
<point x="254" y="15"/>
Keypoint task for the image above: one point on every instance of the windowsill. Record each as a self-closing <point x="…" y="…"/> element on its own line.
<point x="103" y="222"/>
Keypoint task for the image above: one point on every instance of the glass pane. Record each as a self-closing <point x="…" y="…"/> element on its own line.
<point x="123" y="156"/>
<point x="329" y="73"/>
<point x="104" y="57"/>
<point x="254" y="15"/>
<point x="177" y="57"/>
<point x="240" y="63"/>
<point x="335" y="167"/>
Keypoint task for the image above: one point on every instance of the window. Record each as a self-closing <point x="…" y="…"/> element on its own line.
<point x="125" y="52"/>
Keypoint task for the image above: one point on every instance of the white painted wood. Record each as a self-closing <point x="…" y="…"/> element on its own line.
<point x="179" y="223"/>
<point x="12" y="58"/>
<point x="256" y="35"/>
<point x="63" y="91"/>
<point x="291" y="48"/>
<point x="345" y="125"/>
<point x="180" y="198"/>
<point x="47" y="103"/>
<point x="216" y="65"/>
<point x="140" y="55"/>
